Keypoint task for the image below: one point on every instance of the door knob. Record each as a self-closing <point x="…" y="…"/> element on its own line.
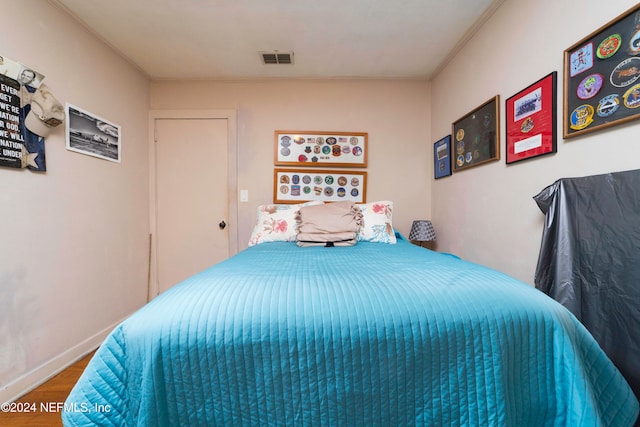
<point x="222" y="225"/>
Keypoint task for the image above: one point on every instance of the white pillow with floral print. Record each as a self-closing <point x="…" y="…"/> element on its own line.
<point x="377" y="222"/>
<point x="277" y="223"/>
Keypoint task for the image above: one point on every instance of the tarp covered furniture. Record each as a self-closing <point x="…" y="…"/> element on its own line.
<point x="590" y="260"/>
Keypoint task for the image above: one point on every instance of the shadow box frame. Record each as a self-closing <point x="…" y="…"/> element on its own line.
<point x="531" y="120"/>
<point x="601" y="86"/>
<point x="477" y="136"/>
<point x="442" y="157"/>
<point x="314" y="149"/>
<point x="296" y="183"/>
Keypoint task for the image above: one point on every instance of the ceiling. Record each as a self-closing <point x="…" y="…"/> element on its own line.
<point x="224" y="39"/>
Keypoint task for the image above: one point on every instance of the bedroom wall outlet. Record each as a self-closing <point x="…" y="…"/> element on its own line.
<point x="244" y="195"/>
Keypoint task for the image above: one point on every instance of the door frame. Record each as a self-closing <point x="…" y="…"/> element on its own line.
<point x="153" y="287"/>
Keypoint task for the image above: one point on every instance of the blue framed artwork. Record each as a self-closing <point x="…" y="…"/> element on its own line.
<point x="442" y="157"/>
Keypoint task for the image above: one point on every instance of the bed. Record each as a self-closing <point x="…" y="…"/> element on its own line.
<point x="373" y="334"/>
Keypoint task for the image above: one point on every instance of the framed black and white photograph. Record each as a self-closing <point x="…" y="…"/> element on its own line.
<point x="91" y="135"/>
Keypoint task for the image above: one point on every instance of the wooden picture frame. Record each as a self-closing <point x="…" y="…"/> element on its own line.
<point x="317" y="148"/>
<point x="442" y="157"/>
<point x="304" y="185"/>
<point x="601" y="77"/>
<point x="477" y="136"/>
<point x="531" y="120"/>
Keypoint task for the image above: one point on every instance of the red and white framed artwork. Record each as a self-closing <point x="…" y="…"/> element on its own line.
<point x="531" y="120"/>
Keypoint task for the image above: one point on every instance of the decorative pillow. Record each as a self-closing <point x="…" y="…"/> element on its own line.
<point x="277" y="223"/>
<point x="377" y="224"/>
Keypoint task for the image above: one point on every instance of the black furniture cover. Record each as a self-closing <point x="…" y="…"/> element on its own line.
<point x="590" y="260"/>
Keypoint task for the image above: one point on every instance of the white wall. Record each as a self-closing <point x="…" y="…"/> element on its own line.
<point x="74" y="240"/>
<point x="395" y="114"/>
<point x="486" y="214"/>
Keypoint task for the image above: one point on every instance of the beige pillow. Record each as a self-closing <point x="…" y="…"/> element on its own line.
<point x="329" y="218"/>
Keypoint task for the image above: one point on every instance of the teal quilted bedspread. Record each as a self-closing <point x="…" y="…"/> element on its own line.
<point x="369" y="335"/>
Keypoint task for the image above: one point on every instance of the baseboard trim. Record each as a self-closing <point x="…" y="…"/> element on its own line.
<point x="52" y="367"/>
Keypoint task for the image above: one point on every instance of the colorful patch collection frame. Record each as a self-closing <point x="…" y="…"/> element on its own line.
<point x="602" y="77"/>
<point x="303" y="185"/>
<point x="314" y="148"/>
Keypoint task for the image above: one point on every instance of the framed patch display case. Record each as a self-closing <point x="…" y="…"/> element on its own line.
<point x="315" y="148"/>
<point x="304" y="185"/>
<point x="601" y="77"/>
<point x="476" y="136"/>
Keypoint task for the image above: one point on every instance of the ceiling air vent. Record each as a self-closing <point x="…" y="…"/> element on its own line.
<point x="276" y="57"/>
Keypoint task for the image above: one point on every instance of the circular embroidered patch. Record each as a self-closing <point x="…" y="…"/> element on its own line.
<point x="527" y="125"/>
<point x="608" y="105"/>
<point x="609" y="46"/>
<point x="634" y="43"/>
<point x="590" y="86"/>
<point x="626" y="72"/>
<point x="581" y="117"/>
<point x="631" y="97"/>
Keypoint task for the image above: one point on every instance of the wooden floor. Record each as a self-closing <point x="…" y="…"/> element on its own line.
<point x="42" y="406"/>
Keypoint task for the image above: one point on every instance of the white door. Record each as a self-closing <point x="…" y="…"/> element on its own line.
<point x="191" y="197"/>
